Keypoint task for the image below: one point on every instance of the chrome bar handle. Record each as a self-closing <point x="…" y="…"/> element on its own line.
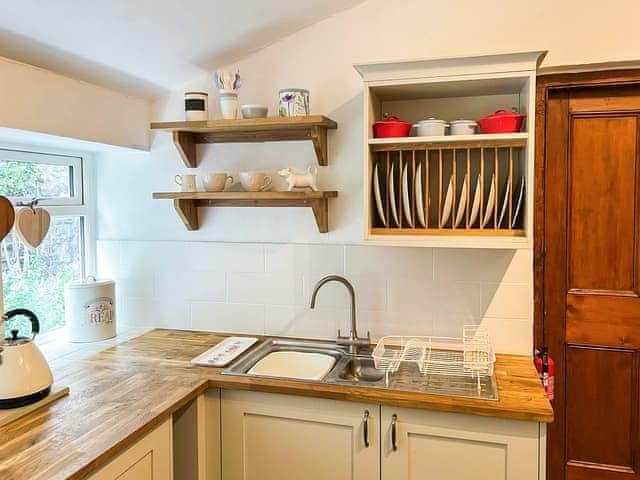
<point x="394" y="428"/>
<point x="365" y="428"/>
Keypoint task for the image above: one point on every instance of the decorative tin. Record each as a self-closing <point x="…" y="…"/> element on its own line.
<point x="90" y="310"/>
<point x="294" y="102"/>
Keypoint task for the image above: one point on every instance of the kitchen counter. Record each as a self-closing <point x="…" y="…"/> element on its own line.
<point x="123" y="392"/>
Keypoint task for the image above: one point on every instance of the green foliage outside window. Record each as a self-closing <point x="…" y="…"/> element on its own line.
<point x="35" y="279"/>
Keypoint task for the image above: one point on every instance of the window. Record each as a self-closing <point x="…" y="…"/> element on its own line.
<point x="35" y="278"/>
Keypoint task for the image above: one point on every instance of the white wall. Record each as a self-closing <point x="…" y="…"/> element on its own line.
<point x="260" y="285"/>
<point x="37" y="100"/>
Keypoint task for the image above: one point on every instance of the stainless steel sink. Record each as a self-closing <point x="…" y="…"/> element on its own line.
<point x="244" y="364"/>
<point x="359" y="370"/>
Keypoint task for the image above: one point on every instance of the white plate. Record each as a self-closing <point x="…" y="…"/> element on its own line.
<point x="405" y="196"/>
<point x="462" y="203"/>
<point x="475" y="207"/>
<point x="419" y="195"/>
<point x="505" y="202"/>
<point x="448" y="200"/>
<point x="392" y="197"/>
<point x="514" y="220"/>
<point x="488" y="212"/>
<point x="376" y="192"/>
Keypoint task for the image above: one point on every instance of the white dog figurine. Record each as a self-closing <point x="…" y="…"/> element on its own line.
<point x="300" y="180"/>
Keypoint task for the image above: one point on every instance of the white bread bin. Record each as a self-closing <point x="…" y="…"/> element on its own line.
<point x="90" y="309"/>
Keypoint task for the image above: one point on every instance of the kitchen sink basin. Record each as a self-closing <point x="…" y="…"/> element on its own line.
<point x="360" y="369"/>
<point x="330" y="363"/>
<point x="294" y="359"/>
<point x="292" y="364"/>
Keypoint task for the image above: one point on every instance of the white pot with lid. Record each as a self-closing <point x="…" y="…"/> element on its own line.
<point x="463" y="127"/>
<point x="25" y="376"/>
<point x="431" y="127"/>
<point x="90" y="309"/>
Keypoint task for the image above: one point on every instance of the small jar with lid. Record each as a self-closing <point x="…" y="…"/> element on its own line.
<point x="196" y="106"/>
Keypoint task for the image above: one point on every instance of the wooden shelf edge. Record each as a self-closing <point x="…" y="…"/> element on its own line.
<point x="186" y="135"/>
<point x="186" y="203"/>
<point x="246" y="124"/>
<point x="478" y="233"/>
<point x="270" y="195"/>
<point x="449" y="141"/>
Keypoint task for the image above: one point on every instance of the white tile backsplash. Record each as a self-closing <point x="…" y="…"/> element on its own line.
<point x="227" y="317"/>
<point x="265" y="289"/>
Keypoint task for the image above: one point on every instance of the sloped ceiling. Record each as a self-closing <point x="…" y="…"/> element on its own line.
<point x="146" y="47"/>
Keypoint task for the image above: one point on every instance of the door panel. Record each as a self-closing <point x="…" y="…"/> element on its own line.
<point x="141" y="470"/>
<point x="602" y="197"/>
<point x="448" y="446"/>
<point x="586" y="421"/>
<point x="280" y="437"/>
<point x="273" y="444"/>
<point x="591" y="314"/>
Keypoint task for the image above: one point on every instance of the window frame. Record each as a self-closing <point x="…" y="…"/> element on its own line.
<point x="74" y="162"/>
<point x="81" y="204"/>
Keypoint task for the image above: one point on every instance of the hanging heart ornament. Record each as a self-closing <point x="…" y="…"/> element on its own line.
<point x="32" y="225"/>
<point x="7" y="217"/>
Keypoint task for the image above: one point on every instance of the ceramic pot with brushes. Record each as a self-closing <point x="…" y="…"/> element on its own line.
<point x="228" y="83"/>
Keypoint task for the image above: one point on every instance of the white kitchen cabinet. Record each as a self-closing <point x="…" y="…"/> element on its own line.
<point x="282" y="437"/>
<point x="150" y="458"/>
<point x="447" y="446"/>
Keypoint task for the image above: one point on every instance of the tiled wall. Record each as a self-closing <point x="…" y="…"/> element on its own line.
<point x="265" y="288"/>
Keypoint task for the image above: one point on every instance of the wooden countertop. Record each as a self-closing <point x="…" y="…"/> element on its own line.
<point x="121" y="393"/>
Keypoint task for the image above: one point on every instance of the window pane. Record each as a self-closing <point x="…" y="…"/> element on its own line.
<point x="24" y="179"/>
<point x="35" y="279"/>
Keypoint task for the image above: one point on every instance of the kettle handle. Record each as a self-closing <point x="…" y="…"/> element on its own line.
<point x="35" y="323"/>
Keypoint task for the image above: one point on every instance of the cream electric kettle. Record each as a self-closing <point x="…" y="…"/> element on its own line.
<point x="25" y="376"/>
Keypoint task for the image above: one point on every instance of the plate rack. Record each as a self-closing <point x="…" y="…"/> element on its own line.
<point x="470" y="356"/>
<point x="453" y="189"/>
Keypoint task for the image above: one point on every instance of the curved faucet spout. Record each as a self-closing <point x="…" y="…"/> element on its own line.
<point x="352" y="341"/>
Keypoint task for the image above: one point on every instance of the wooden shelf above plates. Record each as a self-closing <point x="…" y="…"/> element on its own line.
<point x="186" y="135"/>
<point x="186" y="203"/>
<point x="445" y="142"/>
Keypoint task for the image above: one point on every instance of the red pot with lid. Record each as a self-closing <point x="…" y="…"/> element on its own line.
<point x="391" y="127"/>
<point x="502" y="121"/>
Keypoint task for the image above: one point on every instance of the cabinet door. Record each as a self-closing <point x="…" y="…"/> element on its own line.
<point x="148" y="459"/>
<point x="448" y="446"/>
<point x="281" y="437"/>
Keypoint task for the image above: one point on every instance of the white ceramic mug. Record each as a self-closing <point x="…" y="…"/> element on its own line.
<point x="255" y="181"/>
<point x="216" y="182"/>
<point x="187" y="182"/>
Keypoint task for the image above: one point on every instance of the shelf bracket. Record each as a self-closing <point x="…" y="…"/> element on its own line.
<point x="319" y="139"/>
<point x="320" y="209"/>
<point x="187" y="212"/>
<point x="186" y="145"/>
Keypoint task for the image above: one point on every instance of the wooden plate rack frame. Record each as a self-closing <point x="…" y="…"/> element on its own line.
<point x="439" y="165"/>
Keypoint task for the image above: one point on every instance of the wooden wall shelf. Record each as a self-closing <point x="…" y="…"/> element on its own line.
<point x="186" y="203"/>
<point x="186" y="135"/>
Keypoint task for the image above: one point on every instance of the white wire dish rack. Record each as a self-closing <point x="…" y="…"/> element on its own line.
<point x="470" y="356"/>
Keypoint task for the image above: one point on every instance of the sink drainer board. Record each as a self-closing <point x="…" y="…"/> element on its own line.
<point x="470" y="356"/>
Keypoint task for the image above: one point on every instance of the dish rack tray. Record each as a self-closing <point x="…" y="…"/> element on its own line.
<point x="470" y="356"/>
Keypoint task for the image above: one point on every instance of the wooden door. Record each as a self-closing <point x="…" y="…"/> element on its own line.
<point x="280" y="437"/>
<point x="591" y="278"/>
<point x="447" y="446"/>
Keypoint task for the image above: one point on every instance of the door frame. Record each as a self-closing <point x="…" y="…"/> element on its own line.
<point x="599" y="76"/>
